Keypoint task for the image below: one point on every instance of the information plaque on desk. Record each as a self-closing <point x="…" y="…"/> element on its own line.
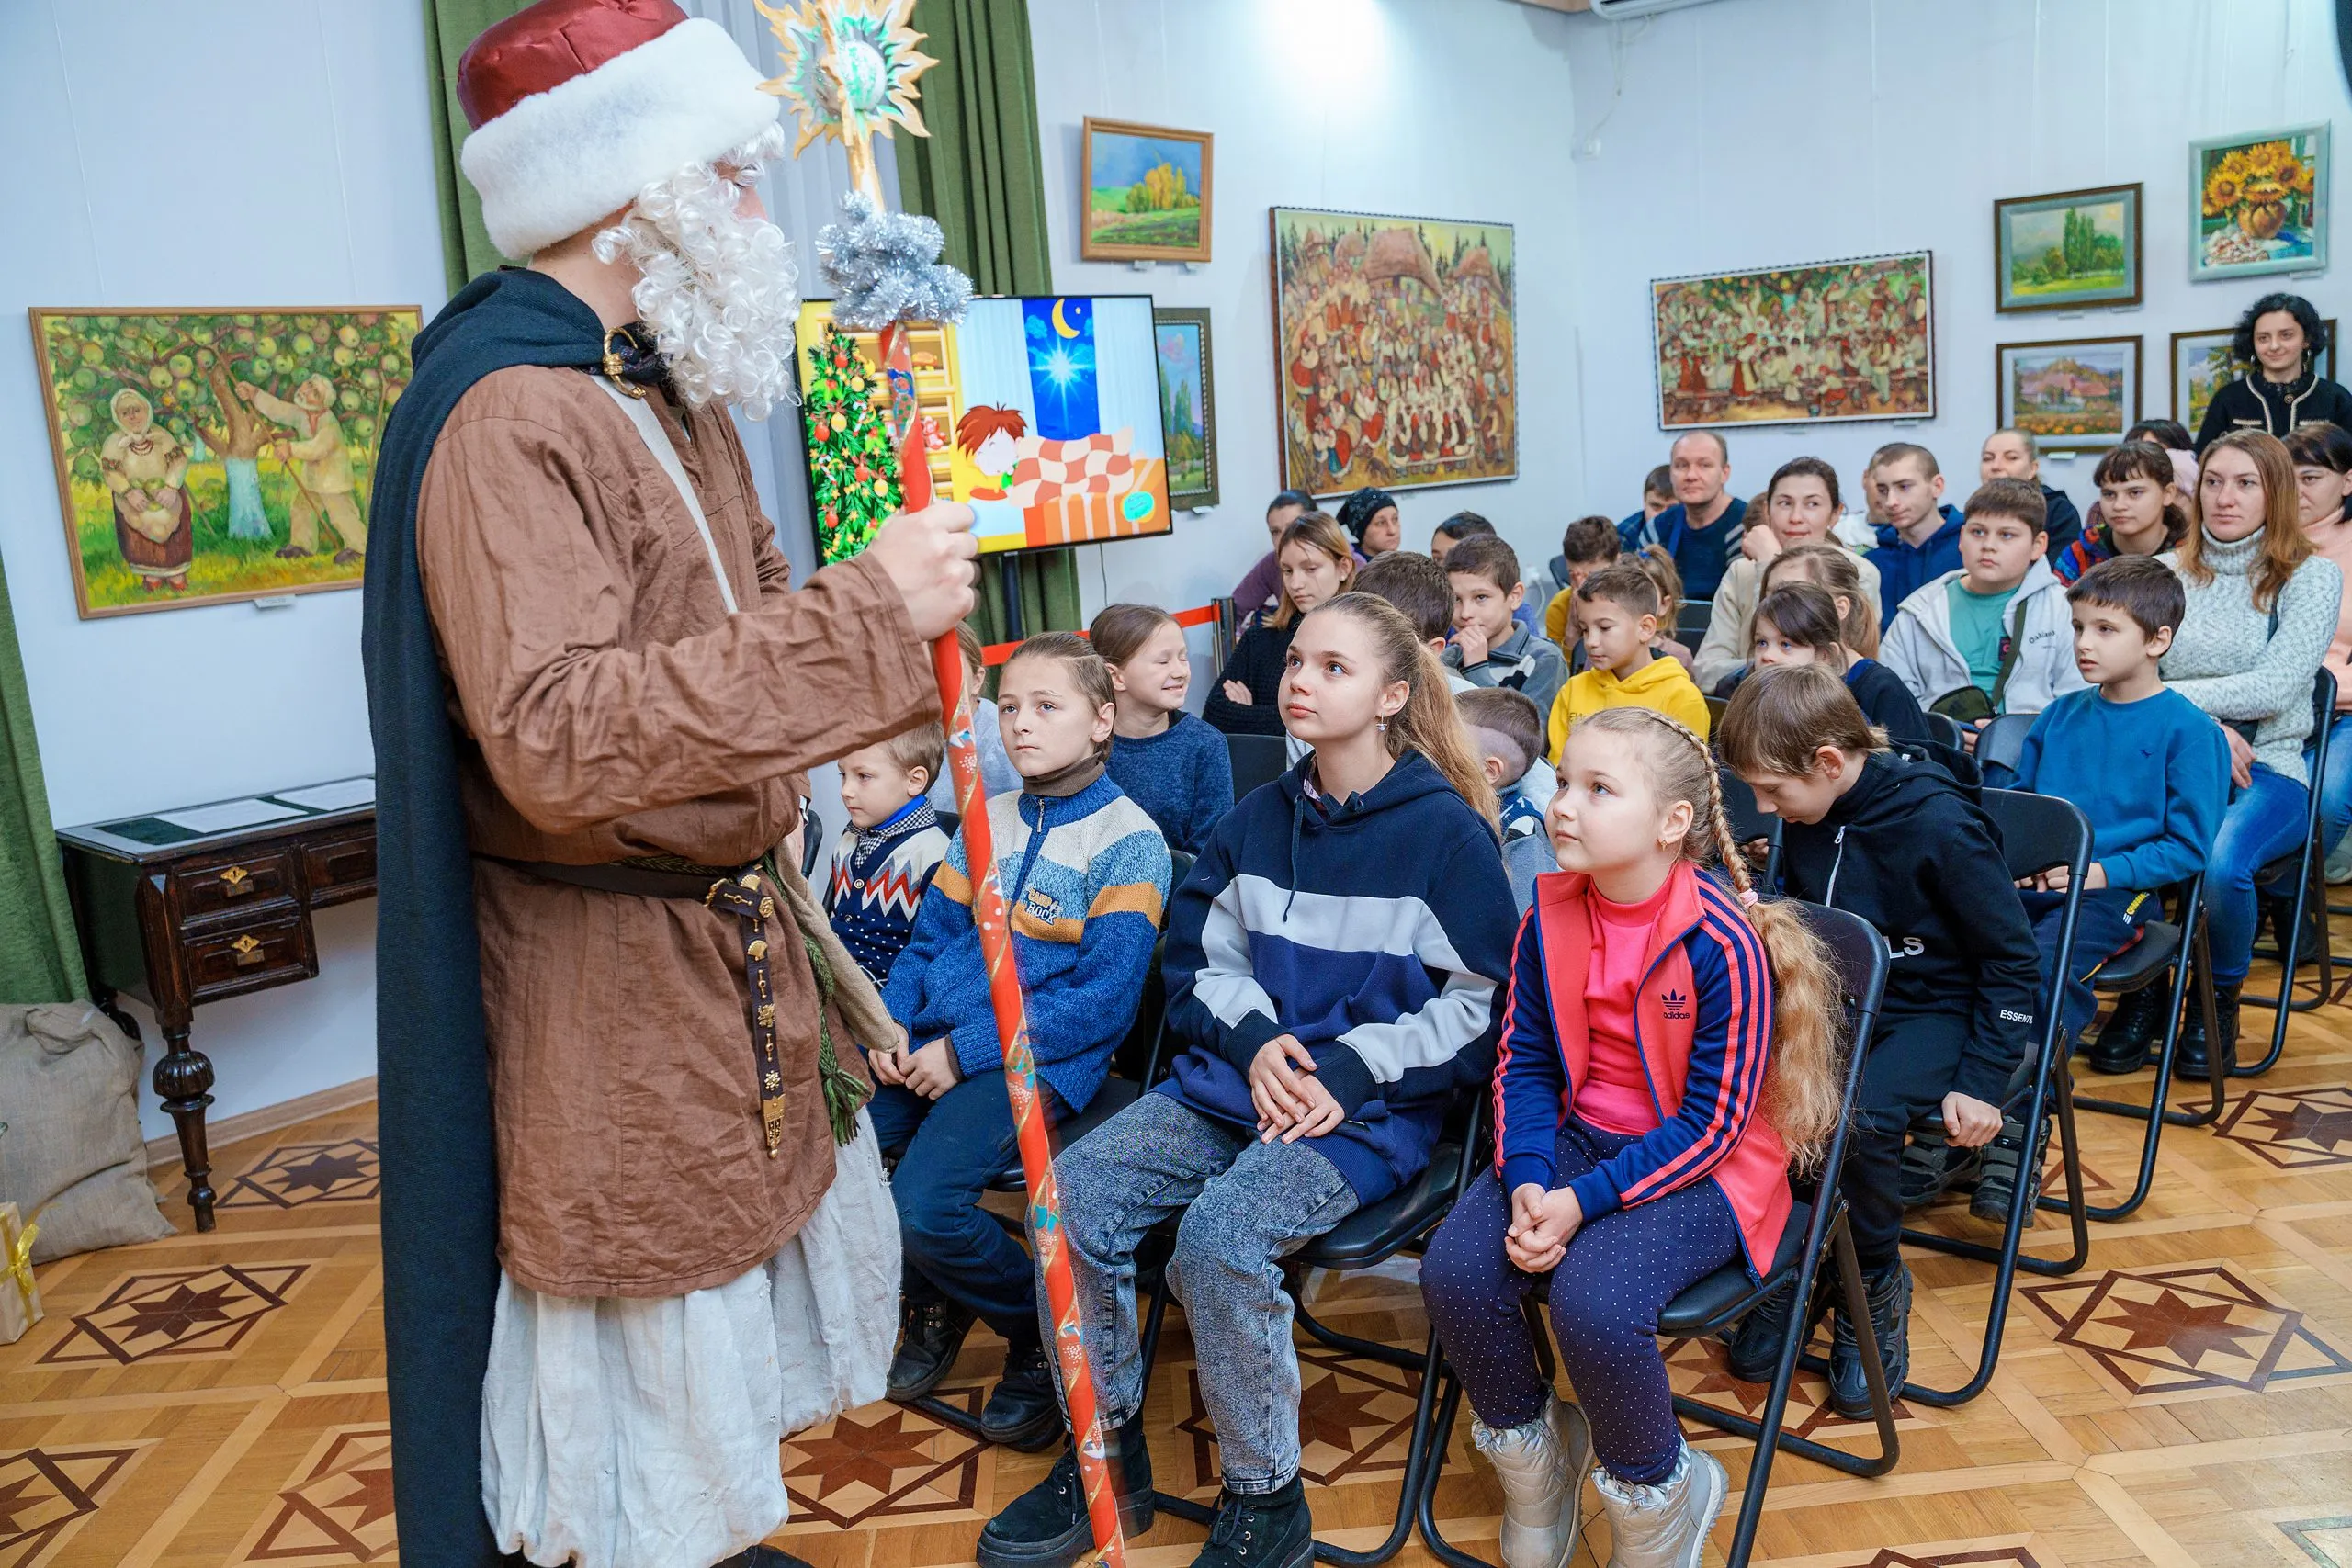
<point x="195" y="903"/>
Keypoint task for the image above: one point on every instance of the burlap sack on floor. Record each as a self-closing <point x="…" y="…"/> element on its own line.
<point x="72" y="1155"/>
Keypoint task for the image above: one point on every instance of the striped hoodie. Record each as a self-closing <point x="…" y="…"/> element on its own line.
<point x="1703" y="1024"/>
<point x="1376" y="930"/>
<point x="1085" y="877"/>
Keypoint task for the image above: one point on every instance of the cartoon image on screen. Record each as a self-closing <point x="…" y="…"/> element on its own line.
<point x="1045" y="416"/>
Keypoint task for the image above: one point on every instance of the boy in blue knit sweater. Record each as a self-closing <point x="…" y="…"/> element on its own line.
<point x="2151" y="771"/>
<point x="892" y="844"/>
<point x="1085" y="878"/>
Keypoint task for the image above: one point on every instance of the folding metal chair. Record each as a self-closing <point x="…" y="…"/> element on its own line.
<point x="2001" y="744"/>
<point x="1748" y="823"/>
<point x="2306" y="865"/>
<point x="1816" y="1229"/>
<point x="2163" y="946"/>
<point x="2038" y="832"/>
<point x="1690" y="621"/>
<point x="1716" y="708"/>
<point x="1257" y="759"/>
<point x="1945" y="730"/>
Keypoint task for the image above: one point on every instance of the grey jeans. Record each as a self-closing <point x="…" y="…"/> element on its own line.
<point x="1245" y="1206"/>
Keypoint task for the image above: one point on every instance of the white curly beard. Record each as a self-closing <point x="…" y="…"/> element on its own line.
<point x="719" y="291"/>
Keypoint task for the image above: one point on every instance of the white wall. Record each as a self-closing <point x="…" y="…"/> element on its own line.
<point x="216" y="153"/>
<point x="1379" y="106"/>
<point x="1757" y="132"/>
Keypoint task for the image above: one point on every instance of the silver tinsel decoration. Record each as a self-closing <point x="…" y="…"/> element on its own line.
<point x="885" y="267"/>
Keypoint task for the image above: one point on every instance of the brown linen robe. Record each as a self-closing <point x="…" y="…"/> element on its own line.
<point x="610" y="707"/>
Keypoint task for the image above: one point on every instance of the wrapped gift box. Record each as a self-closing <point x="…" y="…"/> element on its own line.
<point x="19" y="1296"/>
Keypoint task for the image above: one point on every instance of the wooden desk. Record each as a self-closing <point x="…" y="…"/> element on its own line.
<point x="198" y="903"/>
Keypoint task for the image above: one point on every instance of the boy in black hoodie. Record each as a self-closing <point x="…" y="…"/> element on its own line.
<point x="1896" y="840"/>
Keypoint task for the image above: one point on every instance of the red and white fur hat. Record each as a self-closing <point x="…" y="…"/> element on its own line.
<point x="576" y="105"/>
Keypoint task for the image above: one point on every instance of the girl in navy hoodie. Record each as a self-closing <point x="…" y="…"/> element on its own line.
<point x="1668" y="1052"/>
<point x="1332" y="966"/>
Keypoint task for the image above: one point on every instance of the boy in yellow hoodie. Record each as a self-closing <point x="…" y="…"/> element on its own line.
<point x="1619" y="608"/>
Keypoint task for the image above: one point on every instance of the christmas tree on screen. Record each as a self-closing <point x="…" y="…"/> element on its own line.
<point x="855" y="471"/>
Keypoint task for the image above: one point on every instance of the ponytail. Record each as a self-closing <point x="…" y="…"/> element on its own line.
<point x="1429" y="722"/>
<point x="1803" y="1089"/>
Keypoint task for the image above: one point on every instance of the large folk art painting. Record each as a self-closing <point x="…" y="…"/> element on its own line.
<point x="1842" y="340"/>
<point x="1397" y="350"/>
<point x="205" y="455"/>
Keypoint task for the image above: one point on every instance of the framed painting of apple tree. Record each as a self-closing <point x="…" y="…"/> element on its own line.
<point x="208" y="455"/>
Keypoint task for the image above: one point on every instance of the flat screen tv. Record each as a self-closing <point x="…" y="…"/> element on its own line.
<point x="1043" y="415"/>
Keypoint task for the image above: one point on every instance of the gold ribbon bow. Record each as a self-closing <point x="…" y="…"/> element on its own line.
<point x="19" y="1264"/>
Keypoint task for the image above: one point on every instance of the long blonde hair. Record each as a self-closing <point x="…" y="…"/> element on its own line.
<point x="1317" y="531"/>
<point x="1429" y="722"/>
<point x="1804" y="1087"/>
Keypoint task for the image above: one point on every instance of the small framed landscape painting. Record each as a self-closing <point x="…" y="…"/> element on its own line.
<point x="2067" y="250"/>
<point x="2202" y="364"/>
<point x="1187" y="404"/>
<point x="1146" y="190"/>
<point x="208" y="455"/>
<point x="2258" y="203"/>
<point x="2074" y="395"/>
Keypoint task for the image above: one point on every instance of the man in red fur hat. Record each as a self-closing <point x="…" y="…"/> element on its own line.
<point x="635" y="1228"/>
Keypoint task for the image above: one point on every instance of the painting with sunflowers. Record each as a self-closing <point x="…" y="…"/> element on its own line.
<point x="2262" y="203"/>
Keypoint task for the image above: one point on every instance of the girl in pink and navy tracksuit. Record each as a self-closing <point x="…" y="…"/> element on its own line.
<point x="1634" y="1154"/>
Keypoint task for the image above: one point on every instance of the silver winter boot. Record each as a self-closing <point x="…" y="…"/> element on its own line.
<point x="1664" y="1525"/>
<point x="1541" y="1466"/>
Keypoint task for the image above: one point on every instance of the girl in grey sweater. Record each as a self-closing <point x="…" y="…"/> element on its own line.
<point x="2261" y="611"/>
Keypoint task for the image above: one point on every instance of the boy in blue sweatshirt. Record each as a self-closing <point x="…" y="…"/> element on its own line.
<point x="1919" y="541"/>
<point x="1085" y="878"/>
<point x="2148" y="768"/>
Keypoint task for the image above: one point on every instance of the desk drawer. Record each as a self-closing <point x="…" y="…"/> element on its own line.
<point x="249" y="956"/>
<point x="339" y="869"/>
<point x="208" y="887"/>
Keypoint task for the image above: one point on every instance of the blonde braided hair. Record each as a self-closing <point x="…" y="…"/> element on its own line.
<point x="1804" y="1084"/>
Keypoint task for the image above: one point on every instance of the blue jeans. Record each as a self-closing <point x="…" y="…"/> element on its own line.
<point x="948" y="1150"/>
<point x="2335" y="784"/>
<point x="2264" y="821"/>
<point x="1246" y="1205"/>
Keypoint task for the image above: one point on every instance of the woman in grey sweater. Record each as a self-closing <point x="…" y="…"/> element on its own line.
<point x="2261" y="610"/>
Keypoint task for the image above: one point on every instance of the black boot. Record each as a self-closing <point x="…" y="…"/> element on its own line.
<point x="762" y="1557"/>
<point x="2005" y="1171"/>
<point x="1752" y="1349"/>
<point x="1926" y="1172"/>
<point x="1046" y="1527"/>
<point x="1271" y="1530"/>
<point x="2135" y="1027"/>
<point x="1021" y="1412"/>
<point x="2189" y="1060"/>
<point x="1888" y="1294"/>
<point x="927" y="1350"/>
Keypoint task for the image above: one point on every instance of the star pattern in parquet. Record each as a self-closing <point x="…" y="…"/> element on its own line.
<point x="2184" y="1401"/>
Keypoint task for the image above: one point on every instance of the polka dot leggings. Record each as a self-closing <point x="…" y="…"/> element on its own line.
<point x="1620" y="1271"/>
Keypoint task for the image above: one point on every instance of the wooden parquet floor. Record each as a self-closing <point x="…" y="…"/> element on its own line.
<point x="2186" y="1399"/>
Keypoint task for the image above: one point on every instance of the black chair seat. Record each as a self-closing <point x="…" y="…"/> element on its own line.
<point x="2141" y="962"/>
<point x="1370" y="1235"/>
<point x="1115" y="1096"/>
<point x="1701" y="1307"/>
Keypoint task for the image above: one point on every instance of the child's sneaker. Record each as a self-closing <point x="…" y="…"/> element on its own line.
<point x="1888" y="1294"/>
<point x="1048" y="1526"/>
<point x="2005" y="1170"/>
<point x="1542" y="1467"/>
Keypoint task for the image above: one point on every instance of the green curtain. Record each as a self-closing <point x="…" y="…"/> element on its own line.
<point x="41" y="961"/>
<point x="449" y="26"/>
<point x="978" y="172"/>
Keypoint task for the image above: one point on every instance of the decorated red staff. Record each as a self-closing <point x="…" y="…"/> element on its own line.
<point x="850" y="67"/>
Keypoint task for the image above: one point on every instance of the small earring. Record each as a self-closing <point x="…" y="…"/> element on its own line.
<point x="1383" y="726"/>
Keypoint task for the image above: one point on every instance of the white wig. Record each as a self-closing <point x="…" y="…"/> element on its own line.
<point x="719" y="291"/>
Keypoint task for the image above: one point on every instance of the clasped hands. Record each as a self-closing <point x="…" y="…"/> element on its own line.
<point x="929" y="1072"/>
<point x="1291" y="1104"/>
<point x="1543" y="1222"/>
